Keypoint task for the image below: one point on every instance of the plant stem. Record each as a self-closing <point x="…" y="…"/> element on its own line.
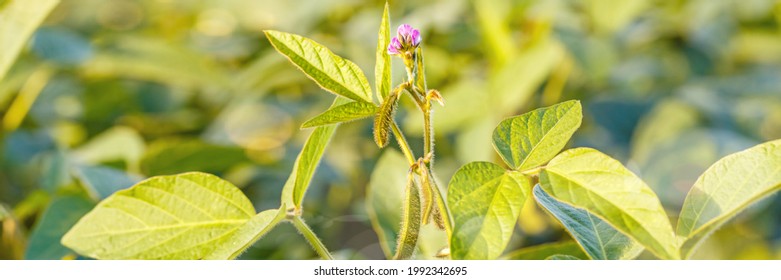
<point x="312" y="238"/>
<point x="428" y="132"/>
<point x="403" y="145"/>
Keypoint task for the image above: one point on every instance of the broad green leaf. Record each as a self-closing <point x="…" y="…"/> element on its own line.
<point x="307" y="161"/>
<point x="729" y="186"/>
<point x="331" y="72"/>
<point x="485" y="201"/>
<point x="560" y="257"/>
<point x="410" y="221"/>
<point x="57" y="219"/>
<point x="382" y="66"/>
<point x="184" y="216"/>
<point x="166" y="157"/>
<point x="532" y="139"/>
<point x="101" y="181"/>
<point x="543" y="251"/>
<point x="384" y="198"/>
<point x="343" y="113"/>
<point x="591" y="180"/>
<point x="600" y="240"/>
<point x="247" y="234"/>
<point x="18" y="20"/>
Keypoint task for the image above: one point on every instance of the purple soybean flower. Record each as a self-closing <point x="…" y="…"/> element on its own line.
<point x="407" y="38"/>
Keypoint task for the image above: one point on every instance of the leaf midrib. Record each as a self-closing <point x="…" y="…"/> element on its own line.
<point x="536" y="145"/>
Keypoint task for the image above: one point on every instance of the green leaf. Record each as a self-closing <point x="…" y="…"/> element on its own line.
<point x="532" y="139"/>
<point x="56" y="220"/>
<point x="410" y="222"/>
<point x="560" y="257"/>
<point x="18" y="20"/>
<point x="384" y="198"/>
<point x="382" y="67"/>
<point x="331" y="72"/>
<point x="729" y="186"/>
<point x="186" y="216"/>
<point x="247" y="235"/>
<point x="307" y="161"/>
<point x="591" y="180"/>
<point x="343" y="113"/>
<point x="485" y="201"/>
<point x="101" y="181"/>
<point x="543" y="251"/>
<point x="600" y="240"/>
<point x="172" y="156"/>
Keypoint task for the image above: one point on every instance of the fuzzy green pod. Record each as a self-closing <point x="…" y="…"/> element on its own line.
<point x="410" y="222"/>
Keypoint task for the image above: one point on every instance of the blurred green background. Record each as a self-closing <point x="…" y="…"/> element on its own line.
<point x="107" y="93"/>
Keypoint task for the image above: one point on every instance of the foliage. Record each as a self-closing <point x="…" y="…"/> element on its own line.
<point x="131" y="136"/>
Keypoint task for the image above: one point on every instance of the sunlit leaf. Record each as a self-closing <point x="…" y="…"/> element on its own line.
<point x="247" y="234"/>
<point x="306" y="162"/>
<point x="543" y="251"/>
<point x="18" y="20"/>
<point x="56" y="220"/>
<point x="343" y="113"/>
<point x="485" y="201"/>
<point x="186" y="216"/>
<point x="331" y="72"/>
<point x="532" y="139"/>
<point x="726" y="188"/>
<point x="382" y="66"/>
<point x="600" y="240"/>
<point x="591" y="180"/>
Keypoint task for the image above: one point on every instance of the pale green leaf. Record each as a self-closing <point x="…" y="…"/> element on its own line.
<point x="331" y="72"/>
<point x="485" y="201"/>
<point x="382" y="67"/>
<point x="247" y="234"/>
<point x="591" y="180"/>
<point x="726" y="188"/>
<point x="543" y="251"/>
<point x="384" y="198"/>
<point x="343" y="113"/>
<point x="18" y="20"/>
<point x="532" y="139"/>
<point x="185" y="216"/>
<point x="307" y="161"/>
<point x="56" y="220"/>
<point x="600" y="240"/>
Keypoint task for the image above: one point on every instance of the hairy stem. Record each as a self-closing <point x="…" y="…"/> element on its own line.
<point x="403" y="145"/>
<point x="312" y="238"/>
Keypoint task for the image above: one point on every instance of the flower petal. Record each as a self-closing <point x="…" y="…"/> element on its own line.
<point x="415" y="37"/>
